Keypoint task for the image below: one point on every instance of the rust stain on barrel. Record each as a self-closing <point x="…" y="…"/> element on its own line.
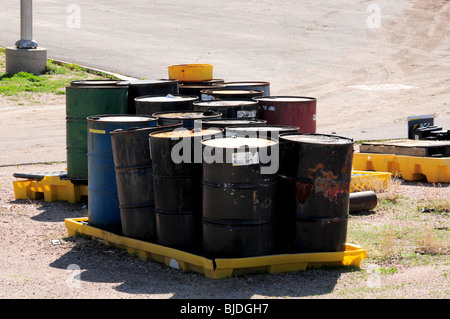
<point x="303" y="191"/>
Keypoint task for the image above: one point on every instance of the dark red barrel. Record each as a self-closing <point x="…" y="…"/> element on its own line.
<point x="289" y="110"/>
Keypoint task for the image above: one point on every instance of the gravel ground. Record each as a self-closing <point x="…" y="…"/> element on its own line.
<point x="33" y="267"/>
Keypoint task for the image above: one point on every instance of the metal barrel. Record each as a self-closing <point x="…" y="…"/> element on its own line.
<point x="362" y="201"/>
<point x="133" y="167"/>
<point x="271" y="132"/>
<point x="137" y="88"/>
<point x="313" y="192"/>
<point x="289" y="110"/>
<point x="103" y="203"/>
<point x="203" y="83"/>
<point x="250" y="85"/>
<point x="186" y="117"/>
<point x="83" y="99"/>
<point x="228" y="94"/>
<point x="177" y="164"/>
<point x="151" y="104"/>
<point x="194" y="89"/>
<point x="245" y="109"/>
<point x="223" y="123"/>
<point x="239" y="217"/>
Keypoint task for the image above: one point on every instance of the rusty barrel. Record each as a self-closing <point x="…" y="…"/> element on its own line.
<point x="244" y="109"/>
<point x="177" y="168"/>
<point x="103" y="203"/>
<point x="249" y="85"/>
<point x="271" y="132"/>
<point x="228" y="94"/>
<point x="186" y="117"/>
<point x="150" y="104"/>
<point x="239" y="217"/>
<point x="133" y="167"/>
<point x="313" y="192"/>
<point x="289" y="110"/>
<point x="137" y="88"/>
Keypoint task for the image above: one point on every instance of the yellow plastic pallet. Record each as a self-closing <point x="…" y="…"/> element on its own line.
<point x="366" y="180"/>
<point x="410" y="168"/>
<point x="218" y="268"/>
<point x="51" y="188"/>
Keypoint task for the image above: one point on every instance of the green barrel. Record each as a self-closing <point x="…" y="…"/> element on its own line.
<point x="83" y="99"/>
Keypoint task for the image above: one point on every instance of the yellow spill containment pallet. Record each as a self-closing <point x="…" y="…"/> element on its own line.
<point x="410" y="168"/>
<point x="51" y="188"/>
<point x="218" y="268"/>
<point x="366" y="180"/>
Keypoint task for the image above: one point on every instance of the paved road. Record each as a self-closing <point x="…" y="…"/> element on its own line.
<point x="370" y="64"/>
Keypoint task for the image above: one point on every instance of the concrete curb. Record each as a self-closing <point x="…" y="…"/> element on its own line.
<point x="96" y="71"/>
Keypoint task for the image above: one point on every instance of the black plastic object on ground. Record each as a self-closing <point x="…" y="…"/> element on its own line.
<point x="313" y="192"/>
<point x="177" y="163"/>
<point x="362" y="201"/>
<point x="239" y="218"/>
<point x="133" y="167"/>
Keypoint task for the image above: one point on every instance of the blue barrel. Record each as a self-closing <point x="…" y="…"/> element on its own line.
<point x="103" y="202"/>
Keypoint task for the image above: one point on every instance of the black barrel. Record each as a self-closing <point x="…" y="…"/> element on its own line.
<point x="271" y="132"/>
<point x="186" y="117"/>
<point x="133" y="167"/>
<point x="230" y="108"/>
<point x="177" y="164"/>
<point x="150" y="104"/>
<point x="229" y="94"/>
<point x="313" y="192"/>
<point x="239" y="217"/>
<point x="138" y="88"/>
<point x="202" y="83"/>
<point x="195" y="89"/>
<point x="223" y="123"/>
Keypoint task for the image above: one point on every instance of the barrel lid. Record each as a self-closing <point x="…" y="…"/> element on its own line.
<point x="247" y="83"/>
<point x="231" y="92"/>
<point x="225" y="103"/>
<point x="166" y="98"/>
<point x="94" y="83"/>
<point x="232" y="121"/>
<point x="201" y="86"/>
<point x="187" y="114"/>
<point x="263" y="128"/>
<point x="144" y="82"/>
<point x="237" y="142"/>
<point x="184" y="132"/>
<point x="125" y="118"/>
<point x="317" y="138"/>
<point x="284" y="98"/>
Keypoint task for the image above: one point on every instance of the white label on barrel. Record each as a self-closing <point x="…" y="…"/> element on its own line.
<point x="245" y="158"/>
<point x="244" y="114"/>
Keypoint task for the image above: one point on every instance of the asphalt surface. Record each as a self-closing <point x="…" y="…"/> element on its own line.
<point x="369" y="64"/>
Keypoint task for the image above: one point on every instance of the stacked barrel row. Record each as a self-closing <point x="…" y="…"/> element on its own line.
<point x="183" y="165"/>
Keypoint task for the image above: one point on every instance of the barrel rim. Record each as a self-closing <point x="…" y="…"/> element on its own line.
<point x="274" y="142"/>
<point x="147" y="81"/>
<point x="234" y="102"/>
<point x="206" y="130"/>
<point x="243" y="128"/>
<point x="248" y="82"/>
<point x="158" y="115"/>
<point x="121" y="131"/>
<point x="228" y="91"/>
<point x="274" y="97"/>
<point x="349" y="139"/>
<point x="235" y="119"/>
<point x="95" y="117"/>
<point x="179" y="98"/>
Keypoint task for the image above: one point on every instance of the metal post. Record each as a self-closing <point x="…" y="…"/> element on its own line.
<point x="26" y="26"/>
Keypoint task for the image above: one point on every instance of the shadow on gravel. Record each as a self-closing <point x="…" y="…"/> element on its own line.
<point x="140" y="278"/>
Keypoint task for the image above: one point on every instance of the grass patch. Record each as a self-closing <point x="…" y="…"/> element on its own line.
<point x="26" y="87"/>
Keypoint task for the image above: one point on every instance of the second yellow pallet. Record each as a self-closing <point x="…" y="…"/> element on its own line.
<point x="410" y="168"/>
